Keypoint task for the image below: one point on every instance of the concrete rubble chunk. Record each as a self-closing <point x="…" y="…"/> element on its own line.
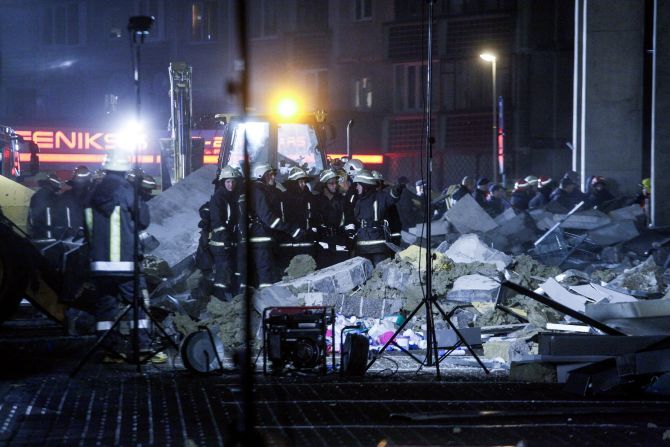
<point x="631" y="212"/>
<point x="338" y="278"/>
<point x="467" y="216"/>
<point x="470" y="288"/>
<point x="556" y="292"/>
<point x="276" y="295"/>
<point x="599" y="293"/>
<point x="643" y="279"/>
<point x="584" y="220"/>
<point x="175" y="217"/>
<point x="533" y="372"/>
<point x="437" y="228"/>
<point x="508" y="349"/>
<point x="469" y="248"/>
<point x="614" y="233"/>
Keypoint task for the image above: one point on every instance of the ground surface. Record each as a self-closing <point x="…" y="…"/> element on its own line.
<point x="166" y="405"/>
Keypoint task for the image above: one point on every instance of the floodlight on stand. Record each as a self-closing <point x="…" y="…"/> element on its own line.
<point x="132" y="138"/>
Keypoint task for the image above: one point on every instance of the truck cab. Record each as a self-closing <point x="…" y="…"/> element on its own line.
<point x="10" y="143"/>
<point x="282" y="144"/>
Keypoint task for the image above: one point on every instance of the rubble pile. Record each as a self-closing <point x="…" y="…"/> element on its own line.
<point x="472" y="270"/>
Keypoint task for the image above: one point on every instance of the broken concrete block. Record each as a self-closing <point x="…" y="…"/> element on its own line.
<point x="584" y="220"/>
<point x="277" y="295"/>
<point x="447" y="338"/>
<point x="416" y="256"/>
<point x="508" y="349"/>
<point x="533" y="372"/>
<point x="175" y="217"/>
<point x="338" y="278"/>
<point x="508" y="214"/>
<point x="437" y="228"/>
<point x="556" y="292"/>
<point x="598" y="293"/>
<point x="631" y="212"/>
<point x="641" y="280"/>
<point x="470" y="288"/>
<point x="618" y="231"/>
<point x="467" y="216"/>
<point x="469" y="248"/>
<point x="443" y="247"/>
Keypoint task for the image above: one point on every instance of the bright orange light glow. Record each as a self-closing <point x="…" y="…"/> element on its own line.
<point x="365" y="159"/>
<point x="287" y="108"/>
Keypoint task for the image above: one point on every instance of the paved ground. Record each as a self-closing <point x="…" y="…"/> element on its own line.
<point x="113" y="405"/>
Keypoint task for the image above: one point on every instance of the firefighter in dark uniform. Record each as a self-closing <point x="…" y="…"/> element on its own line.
<point x="224" y="217"/>
<point x="298" y="209"/>
<point x="370" y="213"/>
<point x="264" y="224"/>
<point x="110" y="229"/>
<point x="332" y="239"/>
<point x="42" y="211"/>
<point x="392" y="216"/>
<point x="351" y="167"/>
<point x="71" y="203"/>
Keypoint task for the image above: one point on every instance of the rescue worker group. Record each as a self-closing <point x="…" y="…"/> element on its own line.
<point x="348" y="211"/>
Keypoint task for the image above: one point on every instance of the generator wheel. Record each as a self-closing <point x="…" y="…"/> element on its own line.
<point x="12" y="281"/>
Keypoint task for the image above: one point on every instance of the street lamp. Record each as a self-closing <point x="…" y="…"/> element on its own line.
<point x="490" y="57"/>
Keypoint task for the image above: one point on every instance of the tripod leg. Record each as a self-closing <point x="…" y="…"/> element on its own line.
<point x="99" y="342"/>
<point x="460" y="337"/>
<point x="395" y="334"/>
<point x="433" y="339"/>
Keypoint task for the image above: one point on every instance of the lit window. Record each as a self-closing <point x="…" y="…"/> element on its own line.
<point x="204" y="24"/>
<point x="363" y="9"/>
<point x="363" y="93"/>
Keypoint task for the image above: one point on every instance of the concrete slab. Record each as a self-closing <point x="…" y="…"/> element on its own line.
<point x="614" y="233"/>
<point x="556" y="292"/>
<point x="437" y="228"/>
<point x="470" y="288"/>
<point x="274" y="296"/>
<point x="339" y="278"/>
<point x="631" y="212"/>
<point x="174" y="215"/>
<point x="584" y="220"/>
<point x="469" y="248"/>
<point x="467" y="216"/>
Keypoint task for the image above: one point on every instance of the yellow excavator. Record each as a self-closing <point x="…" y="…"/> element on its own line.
<point x="27" y="270"/>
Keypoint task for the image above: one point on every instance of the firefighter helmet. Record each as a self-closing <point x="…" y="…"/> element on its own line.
<point x="327" y="174"/>
<point x="598" y="179"/>
<point x="351" y="167"/>
<point x="521" y="184"/>
<point x="148" y="182"/>
<point x="364" y="176"/>
<point x="297" y="173"/>
<point x="49" y="180"/>
<point x="116" y="161"/>
<point x="134" y="173"/>
<point x="260" y="169"/>
<point x="80" y="176"/>
<point x="531" y="180"/>
<point x="377" y="176"/>
<point x="544" y="181"/>
<point x="229" y="172"/>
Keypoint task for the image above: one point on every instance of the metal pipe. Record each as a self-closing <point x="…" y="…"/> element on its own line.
<point x="350" y="124"/>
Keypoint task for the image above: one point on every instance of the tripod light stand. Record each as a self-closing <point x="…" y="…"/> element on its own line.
<point x="429" y="300"/>
<point x="138" y="27"/>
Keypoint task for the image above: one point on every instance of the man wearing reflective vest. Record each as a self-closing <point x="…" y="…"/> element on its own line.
<point x="224" y="218"/>
<point x="264" y="223"/>
<point x="371" y="215"/>
<point x="110" y="229"/>
<point x="42" y="215"/>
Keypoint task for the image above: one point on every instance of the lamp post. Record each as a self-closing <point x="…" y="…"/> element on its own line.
<point x="490" y="57"/>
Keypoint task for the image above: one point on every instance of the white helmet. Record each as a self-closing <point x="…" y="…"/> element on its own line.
<point x="297" y="173"/>
<point x="116" y="161"/>
<point x="229" y="172"/>
<point x="364" y="176"/>
<point x="353" y="166"/>
<point x="326" y="175"/>
<point x="258" y="170"/>
<point x="377" y="175"/>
